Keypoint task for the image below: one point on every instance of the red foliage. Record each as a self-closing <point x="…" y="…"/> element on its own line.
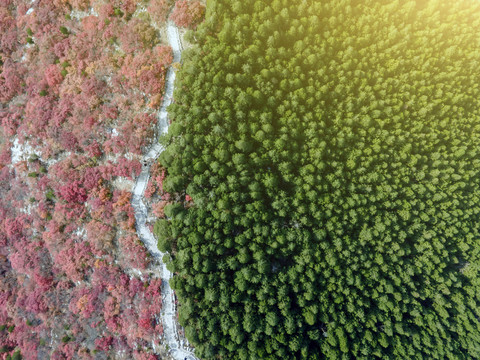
<point x="53" y="76"/>
<point x="100" y="235"/>
<point x="159" y="179"/>
<point x="144" y="356"/>
<point x="158" y="209"/>
<point x="75" y="259"/>
<point x="147" y="69"/>
<point x="14" y="227"/>
<point x="61" y="47"/>
<point x="134" y="252"/>
<point x="133" y="134"/>
<point x="91" y="178"/>
<point x="33" y="301"/>
<point x="32" y="259"/>
<point x="68" y="212"/>
<point x="64" y="352"/>
<point x="158" y="10"/>
<point x="104" y="343"/>
<point x="127" y="6"/>
<point x="69" y="141"/>
<point x="94" y="149"/>
<point x="67" y="235"/>
<point x="150" y="190"/>
<point x="128" y="168"/>
<point x="10" y="80"/>
<point x="187" y="13"/>
<point x="154" y="289"/>
<point x="8" y="32"/>
<point x="84" y="301"/>
<point x="79" y="4"/>
<point x="73" y="192"/>
<point x="38" y="112"/>
<point x="10" y="120"/>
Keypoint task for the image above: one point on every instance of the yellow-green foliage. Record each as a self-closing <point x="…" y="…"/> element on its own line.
<point x="332" y="151"/>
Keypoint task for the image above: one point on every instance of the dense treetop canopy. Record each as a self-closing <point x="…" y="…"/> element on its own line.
<point x="331" y="152"/>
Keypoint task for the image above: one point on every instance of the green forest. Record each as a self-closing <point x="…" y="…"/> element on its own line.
<point x="324" y="162"/>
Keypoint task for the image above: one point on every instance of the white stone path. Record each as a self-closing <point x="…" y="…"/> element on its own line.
<point x="168" y="314"/>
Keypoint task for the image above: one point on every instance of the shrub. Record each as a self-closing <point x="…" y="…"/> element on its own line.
<point x="66" y="339"/>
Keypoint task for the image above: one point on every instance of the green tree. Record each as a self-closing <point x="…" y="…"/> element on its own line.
<point x="331" y="150"/>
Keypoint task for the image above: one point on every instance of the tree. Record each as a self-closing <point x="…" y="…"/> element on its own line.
<point x="188" y="13"/>
<point x="321" y="204"/>
<point x="73" y="193"/>
<point x="158" y="10"/>
<point x="134" y="252"/>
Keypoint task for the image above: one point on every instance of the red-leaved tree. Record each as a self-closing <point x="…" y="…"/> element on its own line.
<point x="187" y="13"/>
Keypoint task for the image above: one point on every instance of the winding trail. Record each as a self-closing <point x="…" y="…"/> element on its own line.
<point x="168" y="314"/>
